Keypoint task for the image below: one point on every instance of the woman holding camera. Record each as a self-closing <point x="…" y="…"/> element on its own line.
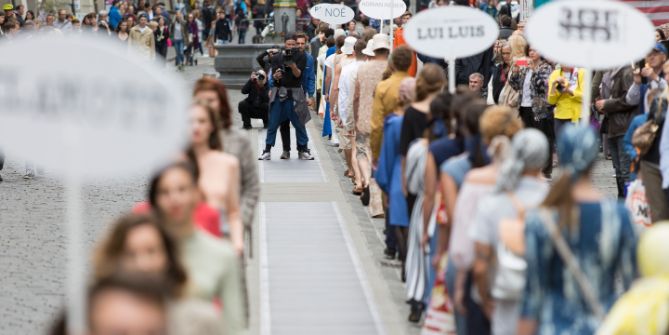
<point x="565" y="91"/>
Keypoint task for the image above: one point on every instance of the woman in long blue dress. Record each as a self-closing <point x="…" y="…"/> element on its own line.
<point x="389" y="170"/>
<point x="599" y="233"/>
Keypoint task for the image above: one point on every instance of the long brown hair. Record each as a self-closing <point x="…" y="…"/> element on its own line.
<point x="108" y="255"/>
<point x="224" y="113"/>
<point x="430" y="79"/>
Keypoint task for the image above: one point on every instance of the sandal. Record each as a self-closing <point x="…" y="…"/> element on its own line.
<point x="357" y="190"/>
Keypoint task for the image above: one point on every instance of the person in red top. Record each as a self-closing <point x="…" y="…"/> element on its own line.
<point x="205" y="217"/>
<point x="398" y="40"/>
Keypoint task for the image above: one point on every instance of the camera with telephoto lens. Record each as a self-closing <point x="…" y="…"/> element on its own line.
<point x="560" y="87"/>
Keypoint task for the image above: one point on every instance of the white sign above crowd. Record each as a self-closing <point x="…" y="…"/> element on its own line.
<point x="97" y="112"/>
<point x="332" y="13"/>
<point x="451" y="32"/>
<point x="382" y="9"/>
<point x="597" y="35"/>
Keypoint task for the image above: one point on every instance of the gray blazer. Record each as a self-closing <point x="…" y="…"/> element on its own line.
<point x="238" y="144"/>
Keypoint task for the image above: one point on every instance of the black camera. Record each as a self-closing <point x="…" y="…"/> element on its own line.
<point x="559" y="87"/>
<point x="288" y="55"/>
<point x="260" y="76"/>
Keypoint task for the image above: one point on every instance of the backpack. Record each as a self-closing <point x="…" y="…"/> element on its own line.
<point x="509" y="280"/>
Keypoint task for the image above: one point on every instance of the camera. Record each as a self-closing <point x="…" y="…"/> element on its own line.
<point x="288" y="56"/>
<point x="560" y="87"/>
<point x="260" y="76"/>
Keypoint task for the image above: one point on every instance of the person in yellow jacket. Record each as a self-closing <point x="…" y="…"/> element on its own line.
<point x="644" y="309"/>
<point x="565" y="92"/>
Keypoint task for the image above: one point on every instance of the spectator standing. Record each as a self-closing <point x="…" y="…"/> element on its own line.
<point x="500" y="74"/>
<point x="618" y="115"/>
<point x="208" y="17"/>
<point x="161" y="35"/>
<point x="62" y="23"/>
<point x="179" y="35"/>
<point x="141" y="38"/>
<point x="242" y="24"/>
<point x="193" y="39"/>
<point x="505" y="29"/>
<point x="123" y="32"/>
<point x="565" y="92"/>
<point x="531" y="82"/>
<point x="115" y="15"/>
<point x="222" y="29"/>
<point x="398" y="40"/>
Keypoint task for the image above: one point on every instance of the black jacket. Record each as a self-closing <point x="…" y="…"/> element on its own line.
<point x="497" y="80"/>
<point x="257" y="95"/>
<point x="480" y="63"/>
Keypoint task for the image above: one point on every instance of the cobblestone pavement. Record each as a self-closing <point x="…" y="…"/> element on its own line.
<point x="32" y="242"/>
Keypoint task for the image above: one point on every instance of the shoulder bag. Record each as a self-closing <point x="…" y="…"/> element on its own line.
<point x="572" y="264"/>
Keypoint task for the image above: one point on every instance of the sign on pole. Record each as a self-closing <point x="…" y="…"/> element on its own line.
<point x="595" y="35"/>
<point x="332" y="13"/>
<point x="451" y="32"/>
<point x="99" y="112"/>
<point x="382" y="9"/>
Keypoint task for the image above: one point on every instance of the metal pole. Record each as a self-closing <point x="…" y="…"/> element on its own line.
<point x="587" y="97"/>
<point x="451" y="75"/>
<point x="76" y="276"/>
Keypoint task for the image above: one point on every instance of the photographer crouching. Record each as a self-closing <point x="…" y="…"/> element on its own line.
<point x="256" y="104"/>
<point x="287" y="98"/>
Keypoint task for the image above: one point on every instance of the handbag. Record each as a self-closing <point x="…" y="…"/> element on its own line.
<point x="572" y="264"/>
<point x="644" y="136"/>
<point x="509" y="96"/>
<point x="509" y="279"/>
<point x="637" y="203"/>
<point x="439" y="319"/>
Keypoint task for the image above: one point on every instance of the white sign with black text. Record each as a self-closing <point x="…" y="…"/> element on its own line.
<point x="332" y="13"/>
<point x="451" y="32"/>
<point x="595" y="34"/>
<point x="382" y="9"/>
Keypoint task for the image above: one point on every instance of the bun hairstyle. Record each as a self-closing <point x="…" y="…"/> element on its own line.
<point x="431" y="79"/>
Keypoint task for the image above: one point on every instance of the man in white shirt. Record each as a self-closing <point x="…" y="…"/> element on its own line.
<point x="346" y="90"/>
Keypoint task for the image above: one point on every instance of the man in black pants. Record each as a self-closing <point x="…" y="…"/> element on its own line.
<point x="256" y="104"/>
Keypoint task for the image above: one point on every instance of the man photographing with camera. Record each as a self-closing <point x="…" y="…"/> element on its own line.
<point x="287" y="98"/>
<point x="256" y="104"/>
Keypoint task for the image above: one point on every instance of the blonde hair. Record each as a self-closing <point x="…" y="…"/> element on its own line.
<point x="499" y="121"/>
<point x="518" y="45"/>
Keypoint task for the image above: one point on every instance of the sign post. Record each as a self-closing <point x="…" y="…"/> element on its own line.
<point x="593" y="35"/>
<point x="449" y="33"/>
<point x="383" y="10"/>
<point x="83" y="128"/>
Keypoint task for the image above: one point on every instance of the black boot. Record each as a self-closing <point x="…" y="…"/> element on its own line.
<point x="620" y="183"/>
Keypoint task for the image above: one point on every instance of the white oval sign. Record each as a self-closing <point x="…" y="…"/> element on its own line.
<point x="332" y="13"/>
<point x="594" y="34"/>
<point x="381" y="9"/>
<point x="451" y="32"/>
<point x="98" y="112"/>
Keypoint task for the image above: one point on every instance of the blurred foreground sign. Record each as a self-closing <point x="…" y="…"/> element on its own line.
<point x="382" y="9"/>
<point x="451" y="32"/>
<point x="87" y="106"/>
<point x="332" y="13"/>
<point x="595" y="34"/>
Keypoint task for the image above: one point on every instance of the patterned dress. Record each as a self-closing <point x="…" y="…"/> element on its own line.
<point x="604" y="243"/>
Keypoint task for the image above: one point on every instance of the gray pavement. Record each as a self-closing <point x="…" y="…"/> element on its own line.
<point x="32" y="243"/>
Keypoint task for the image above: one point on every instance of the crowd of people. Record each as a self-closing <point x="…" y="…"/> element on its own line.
<point x="489" y="239"/>
<point x="482" y="227"/>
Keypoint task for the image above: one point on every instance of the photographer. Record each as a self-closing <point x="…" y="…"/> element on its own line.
<point x="256" y="104"/>
<point x="287" y="98"/>
<point x="565" y="91"/>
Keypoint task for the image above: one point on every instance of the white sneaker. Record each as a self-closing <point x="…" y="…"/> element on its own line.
<point x="265" y="156"/>
<point x="333" y="143"/>
<point x="306" y="155"/>
<point x="30" y="174"/>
